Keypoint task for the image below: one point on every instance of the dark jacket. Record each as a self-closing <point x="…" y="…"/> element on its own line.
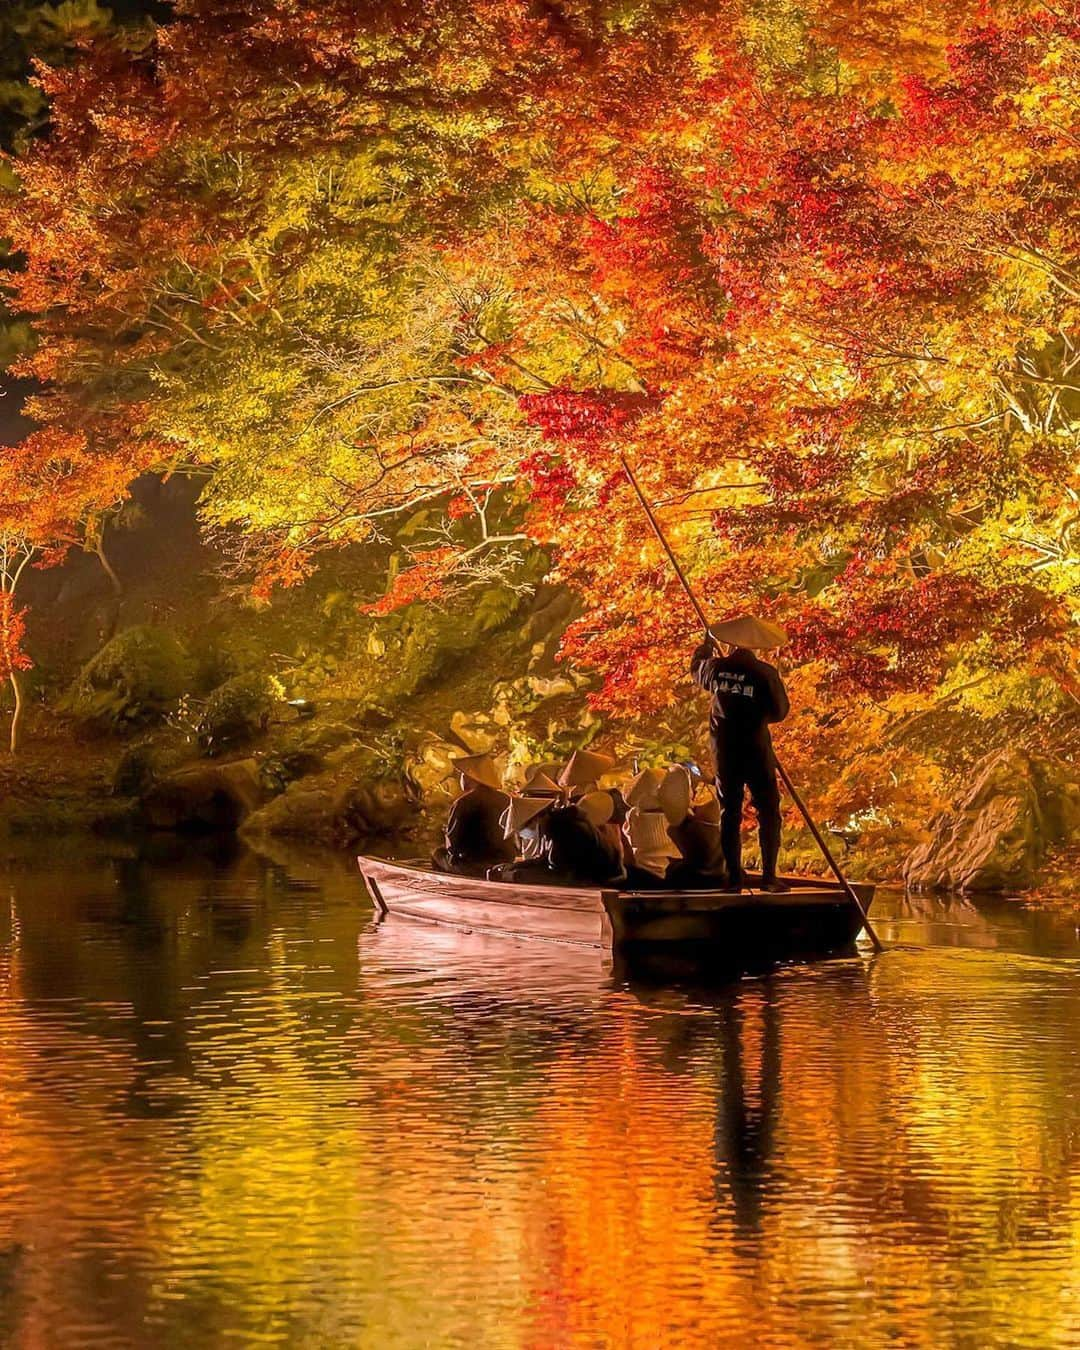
<point x="473" y="831"/>
<point x="748" y="694"/>
<point x="579" y="851"/>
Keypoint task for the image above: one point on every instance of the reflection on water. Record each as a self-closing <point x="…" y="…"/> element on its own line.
<point x="233" y="1109"/>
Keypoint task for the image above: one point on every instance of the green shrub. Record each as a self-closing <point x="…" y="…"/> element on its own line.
<point x="235" y="712"/>
<point x="279" y="770"/>
<point x="136" y="677"/>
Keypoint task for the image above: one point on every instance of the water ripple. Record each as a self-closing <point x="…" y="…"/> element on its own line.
<point x="234" y="1110"/>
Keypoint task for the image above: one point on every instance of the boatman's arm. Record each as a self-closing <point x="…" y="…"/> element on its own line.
<point x="777" y="693"/>
<point x="703" y="666"/>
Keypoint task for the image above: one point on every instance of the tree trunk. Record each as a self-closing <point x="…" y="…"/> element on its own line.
<point x="107" y="567"/>
<point x="114" y="582"/>
<point x="16" y="716"/>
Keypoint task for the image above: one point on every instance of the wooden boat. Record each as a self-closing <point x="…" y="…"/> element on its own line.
<point x="814" y="918"/>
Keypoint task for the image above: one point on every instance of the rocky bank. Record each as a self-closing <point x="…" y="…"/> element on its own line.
<point x="1019" y="808"/>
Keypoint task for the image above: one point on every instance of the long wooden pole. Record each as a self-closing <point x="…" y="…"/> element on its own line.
<point x="666" y="546"/>
<point x="848" y="889"/>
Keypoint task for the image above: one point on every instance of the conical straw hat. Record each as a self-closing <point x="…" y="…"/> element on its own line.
<point x="643" y="787"/>
<point x="585" y="766"/>
<point x="747" y="631"/>
<point x="520" y="811"/>
<point x="550" y="771"/>
<point x="539" y="782"/>
<point x="598" y="807"/>
<point x="480" y="768"/>
<point x="674" y="795"/>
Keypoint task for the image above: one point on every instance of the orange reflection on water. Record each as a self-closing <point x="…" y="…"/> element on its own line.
<point x="229" y="1110"/>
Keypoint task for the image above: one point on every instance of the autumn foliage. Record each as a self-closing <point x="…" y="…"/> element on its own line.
<point x="814" y="271"/>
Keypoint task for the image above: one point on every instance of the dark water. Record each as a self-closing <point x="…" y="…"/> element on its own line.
<point x="234" y="1111"/>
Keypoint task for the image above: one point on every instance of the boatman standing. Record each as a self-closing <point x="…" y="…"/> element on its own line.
<point x="748" y="695"/>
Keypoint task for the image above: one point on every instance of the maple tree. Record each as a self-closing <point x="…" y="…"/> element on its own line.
<point x="54" y="491"/>
<point x="38" y="31"/>
<point x="15" y="553"/>
<point x="389" y="275"/>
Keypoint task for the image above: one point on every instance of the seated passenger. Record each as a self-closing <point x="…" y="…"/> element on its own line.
<point x="646" y="829"/>
<point x="697" y="837"/>
<point x="598" y="808"/>
<point x="616" y="826"/>
<point x="523" y="825"/>
<point x="573" y="849"/>
<point x="579" y="851"/>
<point x="474" y="836"/>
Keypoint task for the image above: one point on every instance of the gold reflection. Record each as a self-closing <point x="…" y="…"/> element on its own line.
<point x="225" y="1129"/>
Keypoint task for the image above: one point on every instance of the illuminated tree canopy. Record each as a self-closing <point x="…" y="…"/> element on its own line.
<point x="813" y="270"/>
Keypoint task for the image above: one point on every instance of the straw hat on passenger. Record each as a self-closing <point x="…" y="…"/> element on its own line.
<point x="642" y="789"/>
<point x="585" y="766"/>
<point x="538" y="782"/>
<point x="480" y="769"/>
<point x="707" y="809"/>
<point x="520" y="811"/>
<point x="674" y="795"/>
<point x="598" y="807"/>
<point x="748" y="631"/>
<point x="549" y="772"/>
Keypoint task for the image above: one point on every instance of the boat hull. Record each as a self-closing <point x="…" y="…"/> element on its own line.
<point x="814" y="918"/>
<point x="802" y="922"/>
<point x="560" y="914"/>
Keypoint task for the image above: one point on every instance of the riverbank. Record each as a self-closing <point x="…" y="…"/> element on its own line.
<point x="158" y="796"/>
<point x="185" y="703"/>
